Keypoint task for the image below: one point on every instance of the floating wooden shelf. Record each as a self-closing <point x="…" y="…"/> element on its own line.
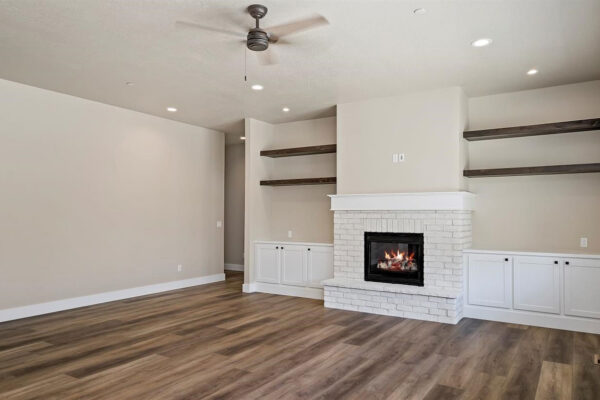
<point x="543" y="170"/>
<point x="303" y="181"/>
<point x="534" y="130"/>
<point x="299" y="151"/>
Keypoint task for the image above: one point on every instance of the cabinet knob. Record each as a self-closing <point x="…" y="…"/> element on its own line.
<point x="555" y="262"/>
<point x="309" y="249"/>
<point x="277" y="247"/>
<point x="506" y="259"/>
<point x="566" y="262"/>
<point x="281" y="247"/>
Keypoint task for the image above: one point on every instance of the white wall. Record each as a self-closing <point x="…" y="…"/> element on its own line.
<point x="234" y="203"/>
<point x="426" y="126"/>
<point x="538" y="213"/>
<point x="95" y="198"/>
<point x="272" y="211"/>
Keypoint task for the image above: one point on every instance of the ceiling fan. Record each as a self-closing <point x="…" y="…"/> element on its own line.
<point x="258" y="39"/>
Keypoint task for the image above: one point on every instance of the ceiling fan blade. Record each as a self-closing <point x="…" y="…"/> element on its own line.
<point x="296" y="26"/>
<point x="210" y="29"/>
<point x="267" y="57"/>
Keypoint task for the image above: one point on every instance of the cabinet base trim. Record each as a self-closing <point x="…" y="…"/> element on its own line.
<point x="248" y="288"/>
<point x="532" y="318"/>
<point x="285" y="290"/>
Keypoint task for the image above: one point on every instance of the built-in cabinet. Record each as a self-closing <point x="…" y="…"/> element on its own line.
<point x="582" y="287"/>
<point x="267" y="263"/>
<point x="536" y="288"/>
<point x="490" y="283"/>
<point x="302" y="265"/>
<point x="537" y="284"/>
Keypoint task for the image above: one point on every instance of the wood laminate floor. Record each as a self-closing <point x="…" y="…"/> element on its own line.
<point x="213" y="342"/>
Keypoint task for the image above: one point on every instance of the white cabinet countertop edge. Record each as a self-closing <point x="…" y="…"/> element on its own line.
<point x="531" y="253"/>
<point x="293" y="243"/>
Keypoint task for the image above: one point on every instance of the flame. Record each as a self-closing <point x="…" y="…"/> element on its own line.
<point x="399" y="255"/>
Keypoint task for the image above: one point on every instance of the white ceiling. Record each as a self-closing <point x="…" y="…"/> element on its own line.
<point x="372" y="48"/>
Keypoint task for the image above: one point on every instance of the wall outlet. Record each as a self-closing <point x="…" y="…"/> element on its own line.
<point x="397" y="157"/>
<point x="583" y="242"/>
<point x="179" y="268"/>
<point x="289" y="234"/>
<point x="219" y="224"/>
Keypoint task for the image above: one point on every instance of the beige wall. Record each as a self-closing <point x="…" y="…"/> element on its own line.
<point x="96" y="198"/>
<point x="426" y="126"/>
<point x="272" y="211"/>
<point x="234" y="204"/>
<point x="538" y="213"/>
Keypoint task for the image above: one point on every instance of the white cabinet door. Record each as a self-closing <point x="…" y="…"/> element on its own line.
<point x="320" y="264"/>
<point x="267" y="263"/>
<point x="537" y="284"/>
<point x="489" y="280"/>
<point x="582" y="287"/>
<point x="293" y="265"/>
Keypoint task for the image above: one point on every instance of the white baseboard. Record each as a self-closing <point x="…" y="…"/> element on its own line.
<point x="286" y="290"/>
<point x="83" y="301"/>
<point x="532" y="318"/>
<point x="248" y="288"/>
<point x="234" y="267"/>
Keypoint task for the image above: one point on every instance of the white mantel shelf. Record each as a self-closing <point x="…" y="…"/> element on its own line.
<point x="403" y="201"/>
<point x="392" y="288"/>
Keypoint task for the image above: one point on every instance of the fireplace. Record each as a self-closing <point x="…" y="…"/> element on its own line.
<point x="394" y="258"/>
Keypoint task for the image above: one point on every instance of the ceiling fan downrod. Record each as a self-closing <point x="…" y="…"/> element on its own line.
<point x="257" y="40"/>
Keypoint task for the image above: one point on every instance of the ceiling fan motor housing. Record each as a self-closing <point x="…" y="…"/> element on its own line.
<point x="258" y="40"/>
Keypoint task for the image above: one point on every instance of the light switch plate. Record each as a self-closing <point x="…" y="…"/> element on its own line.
<point x="583" y="242"/>
<point x="219" y="224"/>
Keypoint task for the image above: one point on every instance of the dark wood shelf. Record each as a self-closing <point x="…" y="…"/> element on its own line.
<point x="543" y="170"/>
<point x="303" y="181"/>
<point x="534" y="130"/>
<point x="299" y="151"/>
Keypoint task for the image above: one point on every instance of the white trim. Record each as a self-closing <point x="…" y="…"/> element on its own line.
<point x="294" y="243"/>
<point x="403" y="201"/>
<point x="286" y="290"/>
<point x="531" y="253"/>
<point x="532" y="318"/>
<point x="249" y="287"/>
<point x="234" y="267"/>
<point x="98" y="298"/>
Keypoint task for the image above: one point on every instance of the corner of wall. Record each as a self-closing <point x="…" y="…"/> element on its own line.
<point x="463" y="151"/>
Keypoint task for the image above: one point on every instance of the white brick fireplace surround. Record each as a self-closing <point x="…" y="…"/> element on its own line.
<point x="444" y="218"/>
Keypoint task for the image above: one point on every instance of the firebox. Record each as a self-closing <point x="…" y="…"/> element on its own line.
<point x="394" y="258"/>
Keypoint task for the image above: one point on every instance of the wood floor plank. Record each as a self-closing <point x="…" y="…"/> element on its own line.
<point x="555" y="382"/>
<point x="524" y="372"/>
<point x="215" y="342"/>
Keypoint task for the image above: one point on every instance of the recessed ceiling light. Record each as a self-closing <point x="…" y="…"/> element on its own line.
<point x="285" y="109"/>
<point x="129" y="83"/>
<point x="257" y="87"/>
<point x="171" y="109"/>
<point x="482" y="42"/>
<point x="419" y="11"/>
<point x="532" y="71"/>
<point x="243" y="137"/>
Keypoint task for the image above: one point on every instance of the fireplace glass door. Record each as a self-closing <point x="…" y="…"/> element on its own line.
<point x="394" y="258"/>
